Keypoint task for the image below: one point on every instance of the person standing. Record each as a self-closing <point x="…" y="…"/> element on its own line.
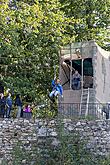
<point x="2" y="105"/>
<point x="8" y="105"/>
<point x="18" y="103"/>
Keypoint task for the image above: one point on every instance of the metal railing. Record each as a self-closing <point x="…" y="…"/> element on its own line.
<point x="72" y="110"/>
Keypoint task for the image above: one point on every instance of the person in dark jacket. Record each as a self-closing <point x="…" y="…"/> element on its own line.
<point x="8" y="105"/>
<point x="18" y="103"/>
<point x="1" y="87"/>
<point x="2" y="105"/>
<point x="76" y="81"/>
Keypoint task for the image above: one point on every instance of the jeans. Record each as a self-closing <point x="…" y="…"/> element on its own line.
<point x="18" y="112"/>
<point x="76" y="85"/>
<point x="54" y="93"/>
<point x="3" y="112"/>
<point x="8" y="111"/>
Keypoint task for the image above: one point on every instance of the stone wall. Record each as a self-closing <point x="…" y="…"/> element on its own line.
<point x="30" y="133"/>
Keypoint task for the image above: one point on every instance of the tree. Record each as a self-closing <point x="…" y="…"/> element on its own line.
<point x="92" y="19"/>
<point x="31" y="35"/>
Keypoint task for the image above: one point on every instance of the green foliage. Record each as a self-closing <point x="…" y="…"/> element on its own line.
<point x="91" y="19"/>
<point x="48" y="110"/>
<point x="43" y="112"/>
<point x="31" y="34"/>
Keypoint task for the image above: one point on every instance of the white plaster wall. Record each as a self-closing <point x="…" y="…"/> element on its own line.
<point x="102" y="75"/>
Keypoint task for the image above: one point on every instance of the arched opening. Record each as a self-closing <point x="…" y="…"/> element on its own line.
<point x="84" y="68"/>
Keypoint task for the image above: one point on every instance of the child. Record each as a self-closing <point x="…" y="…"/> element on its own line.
<point x="27" y="113"/>
<point x="27" y="108"/>
<point x="57" y="89"/>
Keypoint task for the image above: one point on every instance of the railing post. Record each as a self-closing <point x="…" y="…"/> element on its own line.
<point x="70" y="65"/>
<point x="81" y="102"/>
<point x="87" y="105"/>
<point x="81" y="87"/>
<point x="82" y="75"/>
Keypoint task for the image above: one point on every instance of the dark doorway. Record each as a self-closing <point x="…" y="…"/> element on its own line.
<point x="88" y="73"/>
<point x="87" y="67"/>
<point x="87" y="70"/>
<point x="77" y="65"/>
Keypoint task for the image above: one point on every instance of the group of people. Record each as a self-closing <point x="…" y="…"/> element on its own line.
<point x="7" y="104"/>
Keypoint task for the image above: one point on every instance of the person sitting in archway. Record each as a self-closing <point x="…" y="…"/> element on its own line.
<point x="76" y="81"/>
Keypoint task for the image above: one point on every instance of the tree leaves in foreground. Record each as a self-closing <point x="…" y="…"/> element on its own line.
<point x="31" y="35"/>
<point x="32" y="32"/>
<point x="92" y="19"/>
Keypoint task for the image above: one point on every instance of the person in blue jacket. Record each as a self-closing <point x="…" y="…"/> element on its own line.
<point x="57" y="89"/>
<point x="8" y="105"/>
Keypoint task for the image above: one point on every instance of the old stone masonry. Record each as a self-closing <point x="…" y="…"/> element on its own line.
<point x="29" y="133"/>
